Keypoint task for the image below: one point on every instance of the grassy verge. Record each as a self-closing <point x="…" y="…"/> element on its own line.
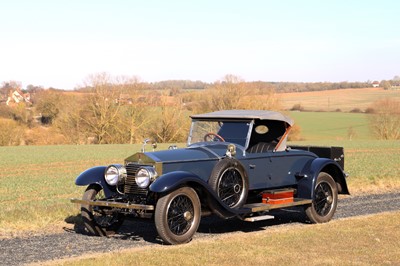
<point x="38" y="181"/>
<point x="368" y="240"/>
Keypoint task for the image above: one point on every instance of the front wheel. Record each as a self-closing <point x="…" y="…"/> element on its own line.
<point x="99" y="221"/>
<point x="325" y="199"/>
<point x="177" y="216"/>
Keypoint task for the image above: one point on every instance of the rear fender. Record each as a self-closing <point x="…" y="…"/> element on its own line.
<point x="95" y="175"/>
<point x="309" y="175"/>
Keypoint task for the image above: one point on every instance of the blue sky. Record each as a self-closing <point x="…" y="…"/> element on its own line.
<point x="59" y="43"/>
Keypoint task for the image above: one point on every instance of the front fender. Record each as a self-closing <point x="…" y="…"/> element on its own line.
<point x="310" y="174"/>
<point x="173" y="180"/>
<point x="95" y="175"/>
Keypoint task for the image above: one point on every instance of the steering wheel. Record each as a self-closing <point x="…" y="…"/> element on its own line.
<point x="211" y="134"/>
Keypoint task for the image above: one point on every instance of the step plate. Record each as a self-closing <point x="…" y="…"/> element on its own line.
<point x="257" y="207"/>
<point x="259" y="218"/>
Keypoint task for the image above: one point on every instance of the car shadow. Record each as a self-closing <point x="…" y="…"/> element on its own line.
<point x="145" y="230"/>
<point x="215" y="225"/>
<point x="131" y="229"/>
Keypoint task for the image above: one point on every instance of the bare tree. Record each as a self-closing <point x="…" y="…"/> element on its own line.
<point x="385" y="121"/>
<point x="114" y="112"/>
<point x="260" y="98"/>
<point x="48" y="105"/>
<point x="170" y="123"/>
<point x="70" y="121"/>
<point x="227" y="93"/>
<point x="233" y="93"/>
<point x="385" y="84"/>
<point x="11" y="133"/>
<point x="11" y="84"/>
<point x="102" y="113"/>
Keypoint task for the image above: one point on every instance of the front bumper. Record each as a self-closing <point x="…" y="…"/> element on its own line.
<point x="111" y="204"/>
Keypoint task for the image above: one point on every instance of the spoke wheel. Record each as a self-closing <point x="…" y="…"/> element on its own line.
<point x="177" y="216"/>
<point x="325" y="199"/>
<point x="99" y="221"/>
<point x="230" y="187"/>
<point x="230" y="182"/>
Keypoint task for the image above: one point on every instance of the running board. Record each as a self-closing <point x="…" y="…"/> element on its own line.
<point x="258" y="218"/>
<point x="112" y="204"/>
<point x="258" y="207"/>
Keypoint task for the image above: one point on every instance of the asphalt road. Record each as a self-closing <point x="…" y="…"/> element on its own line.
<point x="70" y="243"/>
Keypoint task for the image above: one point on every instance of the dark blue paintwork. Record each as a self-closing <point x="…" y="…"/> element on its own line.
<point x="172" y="180"/>
<point x="95" y="175"/>
<point x="311" y="171"/>
<point x="266" y="170"/>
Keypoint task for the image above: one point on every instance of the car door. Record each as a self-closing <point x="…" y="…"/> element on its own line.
<point x="283" y="166"/>
<point x="274" y="169"/>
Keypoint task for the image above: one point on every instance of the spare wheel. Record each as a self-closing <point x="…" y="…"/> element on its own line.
<point x="229" y="180"/>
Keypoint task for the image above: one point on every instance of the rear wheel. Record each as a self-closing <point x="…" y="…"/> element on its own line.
<point x="99" y="221"/>
<point x="177" y="216"/>
<point x="325" y="199"/>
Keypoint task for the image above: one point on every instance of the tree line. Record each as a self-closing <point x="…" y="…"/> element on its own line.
<point x="120" y="110"/>
<point x="109" y="109"/>
<point x="182" y="85"/>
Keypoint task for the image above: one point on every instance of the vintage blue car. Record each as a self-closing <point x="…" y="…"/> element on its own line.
<point x="236" y="165"/>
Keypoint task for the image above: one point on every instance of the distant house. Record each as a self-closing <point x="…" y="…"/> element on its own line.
<point x="17" y="96"/>
<point x="375" y="84"/>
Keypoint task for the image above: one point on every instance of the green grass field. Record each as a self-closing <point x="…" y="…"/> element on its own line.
<point x="38" y="181"/>
<point x="332" y="125"/>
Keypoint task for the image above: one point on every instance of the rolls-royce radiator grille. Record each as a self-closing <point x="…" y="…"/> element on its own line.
<point x="130" y="186"/>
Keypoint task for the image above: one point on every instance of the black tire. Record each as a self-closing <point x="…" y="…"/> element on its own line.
<point x="325" y="199"/>
<point x="177" y="216"/>
<point x="99" y="221"/>
<point x="229" y="180"/>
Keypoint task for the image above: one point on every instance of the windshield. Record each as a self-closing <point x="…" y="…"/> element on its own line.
<point x="225" y="131"/>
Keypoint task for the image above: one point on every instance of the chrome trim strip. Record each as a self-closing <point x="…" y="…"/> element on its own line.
<point x="246" y="146"/>
<point x="189" y="140"/>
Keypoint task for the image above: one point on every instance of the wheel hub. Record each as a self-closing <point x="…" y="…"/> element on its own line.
<point x="329" y="199"/>
<point x="236" y="188"/>
<point x="188" y="216"/>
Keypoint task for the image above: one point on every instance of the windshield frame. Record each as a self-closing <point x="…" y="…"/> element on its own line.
<point x="248" y="135"/>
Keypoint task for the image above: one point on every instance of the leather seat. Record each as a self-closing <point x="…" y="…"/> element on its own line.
<point x="261" y="147"/>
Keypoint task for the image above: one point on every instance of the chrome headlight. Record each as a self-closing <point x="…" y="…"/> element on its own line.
<point x="145" y="175"/>
<point x="114" y="174"/>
